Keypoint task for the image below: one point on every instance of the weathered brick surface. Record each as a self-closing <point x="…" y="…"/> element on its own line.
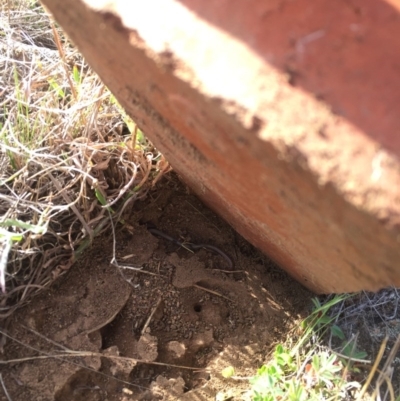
<point x="282" y="115"/>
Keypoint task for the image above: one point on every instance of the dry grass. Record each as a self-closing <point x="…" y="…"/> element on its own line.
<point x="346" y="349"/>
<point x="371" y="322"/>
<point x="69" y="156"/>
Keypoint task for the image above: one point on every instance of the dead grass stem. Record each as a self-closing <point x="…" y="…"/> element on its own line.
<point x="69" y="156"/>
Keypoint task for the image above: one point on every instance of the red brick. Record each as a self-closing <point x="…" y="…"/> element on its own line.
<point x="281" y="115"/>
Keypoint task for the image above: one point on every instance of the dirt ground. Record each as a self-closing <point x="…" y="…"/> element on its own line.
<point x="185" y="316"/>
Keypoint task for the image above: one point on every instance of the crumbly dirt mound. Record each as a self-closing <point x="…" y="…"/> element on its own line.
<point x="182" y="318"/>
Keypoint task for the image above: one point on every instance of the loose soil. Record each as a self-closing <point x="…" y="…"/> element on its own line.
<point x="184" y="315"/>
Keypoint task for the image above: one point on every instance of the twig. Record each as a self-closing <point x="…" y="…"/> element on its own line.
<point x="114" y="261"/>
<point x="4" y="388"/>
<point x="351" y="359"/>
<point x="384" y="372"/>
<point x="57" y="356"/>
<point x="71" y="354"/>
<point x="211" y="292"/>
<point x="151" y="315"/>
<point x="45" y="338"/>
<point x="389" y="387"/>
<point x="149" y="158"/>
<point x="74" y="354"/>
<point x="228" y="271"/>
<point x="374" y="369"/>
<point x="392" y="354"/>
<point x="114" y="257"/>
<point x="62" y="56"/>
<point x="137" y="270"/>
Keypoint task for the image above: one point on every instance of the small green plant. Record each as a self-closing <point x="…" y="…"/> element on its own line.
<point x="269" y="383"/>
<point x="307" y="370"/>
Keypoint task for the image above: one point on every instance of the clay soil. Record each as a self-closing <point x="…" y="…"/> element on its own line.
<point x="184" y="316"/>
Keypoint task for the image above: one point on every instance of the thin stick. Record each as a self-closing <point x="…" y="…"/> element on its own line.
<point x="383" y="373"/>
<point x="72" y="354"/>
<point x="137" y="269"/>
<point x="62" y="56"/>
<point x="46" y="356"/>
<point x="151" y="315"/>
<point x="114" y="261"/>
<point x="4" y="388"/>
<point x="228" y="271"/>
<point x="211" y="292"/>
<point x="349" y="358"/>
<point x="390" y="387"/>
<point x="392" y="354"/>
<point x="373" y="370"/>
<point x="45" y="338"/>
